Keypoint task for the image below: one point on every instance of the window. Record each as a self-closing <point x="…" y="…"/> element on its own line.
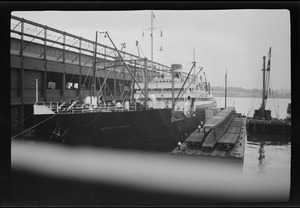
<point x="51" y="85"/>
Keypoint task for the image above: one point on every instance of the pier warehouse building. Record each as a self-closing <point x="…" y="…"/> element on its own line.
<point x="49" y="65"/>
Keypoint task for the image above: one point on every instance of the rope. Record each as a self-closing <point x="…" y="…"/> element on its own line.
<point x="33" y="126"/>
<point x="84" y="82"/>
<point x="21" y="121"/>
<point x="92" y="120"/>
<point x="253" y="93"/>
<point x="274" y="102"/>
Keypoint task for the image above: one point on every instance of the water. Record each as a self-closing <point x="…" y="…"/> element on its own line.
<point x="264" y="158"/>
<point x="246" y="106"/>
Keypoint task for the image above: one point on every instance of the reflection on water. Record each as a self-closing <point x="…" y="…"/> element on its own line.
<point x="269" y="156"/>
<point x="261" y="157"/>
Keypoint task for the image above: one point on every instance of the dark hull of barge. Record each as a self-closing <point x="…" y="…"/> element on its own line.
<point x="272" y="126"/>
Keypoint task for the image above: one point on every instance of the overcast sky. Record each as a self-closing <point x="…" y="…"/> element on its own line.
<point x="232" y="39"/>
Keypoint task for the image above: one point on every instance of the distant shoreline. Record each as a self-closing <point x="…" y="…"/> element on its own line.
<point x="249" y="95"/>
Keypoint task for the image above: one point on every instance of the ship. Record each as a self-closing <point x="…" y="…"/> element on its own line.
<point x="118" y="124"/>
<point x="262" y="121"/>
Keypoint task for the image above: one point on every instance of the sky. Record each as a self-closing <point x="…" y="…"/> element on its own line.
<point x="217" y="40"/>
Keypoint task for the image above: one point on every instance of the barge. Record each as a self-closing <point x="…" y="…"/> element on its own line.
<point x="221" y="138"/>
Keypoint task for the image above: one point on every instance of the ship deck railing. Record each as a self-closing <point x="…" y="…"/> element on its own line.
<point x="65" y="107"/>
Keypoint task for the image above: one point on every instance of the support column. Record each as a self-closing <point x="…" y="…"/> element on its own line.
<point x="63" y="85"/>
<point x="80" y="71"/>
<point x="44" y="91"/>
<point x="45" y="43"/>
<point x="21" y="117"/>
<point x="44" y="84"/>
<point x="64" y="47"/>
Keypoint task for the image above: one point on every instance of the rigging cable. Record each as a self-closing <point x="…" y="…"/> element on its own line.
<point x="254" y="98"/>
<point x="17" y="123"/>
<point x="274" y="101"/>
<point x="84" y="83"/>
<point x="33" y="126"/>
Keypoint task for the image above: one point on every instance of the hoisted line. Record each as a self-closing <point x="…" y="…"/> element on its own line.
<point x="123" y="61"/>
<point x="100" y="91"/>
<point x="110" y="91"/>
<point x="32" y="40"/>
<point x="274" y="101"/>
<point x="84" y="82"/>
<point x="127" y="94"/>
<point x="184" y="82"/>
<point x="33" y="126"/>
<point x="104" y="82"/>
<point x="253" y="93"/>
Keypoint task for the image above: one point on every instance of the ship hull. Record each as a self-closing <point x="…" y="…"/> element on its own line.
<point x="150" y="130"/>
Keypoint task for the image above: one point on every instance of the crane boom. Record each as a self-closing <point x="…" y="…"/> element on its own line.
<point x="206" y="88"/>
<point x="137" y="45"/>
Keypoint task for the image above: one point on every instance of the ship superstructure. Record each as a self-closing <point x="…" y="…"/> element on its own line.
<point x="165" y="90"/>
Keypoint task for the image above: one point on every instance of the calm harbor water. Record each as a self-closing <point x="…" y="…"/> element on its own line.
<point x="267" y="157"/>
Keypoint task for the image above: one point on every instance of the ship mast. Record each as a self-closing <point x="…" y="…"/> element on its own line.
<point x="263" y="92"/>
<point x="226" y="89"/>
<point x="151" y="39"/>
<point x="266" y="79"/>
<point x="194" y="62"/>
